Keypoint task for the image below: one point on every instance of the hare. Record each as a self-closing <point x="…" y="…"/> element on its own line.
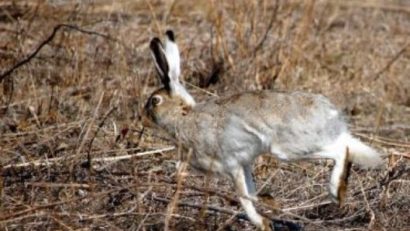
<point x="226" y="134"/>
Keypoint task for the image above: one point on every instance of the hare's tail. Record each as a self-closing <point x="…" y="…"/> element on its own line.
<point x="359" y="153"/>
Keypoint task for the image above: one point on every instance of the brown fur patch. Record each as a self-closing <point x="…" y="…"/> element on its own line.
<point x="186" y="110"/>
<point x="344" y="180"/>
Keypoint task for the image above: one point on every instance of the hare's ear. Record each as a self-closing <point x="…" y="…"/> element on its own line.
<point x="173" y="57"/>
<point x="167" y="62"/>
<point x="174" y="63"/>
<point x="161" y="62"/>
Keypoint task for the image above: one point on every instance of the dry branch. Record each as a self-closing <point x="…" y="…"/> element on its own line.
<point x="379" y="5"/>
<point x="288" y="225"/>
<point x="196" y="206"/>
<point x="391" y="61"/>
<point x="51" y="161"/>
<point x="268" y="29"/>
<point x="57" y="185"/>
<point x="384" y="141"/>
<point x="88" y="163"/>
<point x="48" y="40"/>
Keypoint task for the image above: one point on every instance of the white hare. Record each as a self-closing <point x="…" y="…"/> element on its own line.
<point x="226" y="134"/>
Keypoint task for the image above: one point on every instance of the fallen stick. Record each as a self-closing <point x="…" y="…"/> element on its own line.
<point x="277" y="223"/>
<point x="50" y="161"/>
<point x="384" y="141"/>
<point x="56" y="185"/>
<point x="197" y="206"/>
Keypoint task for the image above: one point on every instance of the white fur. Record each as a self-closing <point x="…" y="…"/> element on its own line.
<point x="251" y="211"/>
<point x="337" y="173"/>
<point x="173" y="58"/>
<point x="180" y="90"/>
<point x="174" y="63"/>
<point x="245" y="199"/>
<point x="360" y="153"/>
<point x="333" y="113"/>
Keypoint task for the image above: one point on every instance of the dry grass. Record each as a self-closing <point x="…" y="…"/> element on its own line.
<point x="76" y="102"/>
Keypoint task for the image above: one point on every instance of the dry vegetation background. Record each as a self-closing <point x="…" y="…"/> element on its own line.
<point x="74" y="155"/>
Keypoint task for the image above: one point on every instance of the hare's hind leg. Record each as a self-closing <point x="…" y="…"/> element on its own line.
<point x="239" y="178"/>
<point x="339" y="176"/>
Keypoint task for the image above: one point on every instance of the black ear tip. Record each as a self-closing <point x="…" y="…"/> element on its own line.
<point x="170" y="34"/>
<point x="155" y="42"/>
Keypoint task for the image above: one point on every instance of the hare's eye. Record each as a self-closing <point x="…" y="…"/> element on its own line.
<point x="156" y="100"/>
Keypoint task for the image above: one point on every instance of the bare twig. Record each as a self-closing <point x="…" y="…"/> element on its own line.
<point x="61" y="223"/>
<point x="85" y="217"/>
<point x="48" y="40"/>
<point x="342" y="220"/>
<point x="369" y="209"/>
<point x="56" y="185"/>
<point x="380" y="5"/>
<point x="102" y="159"/>
<point x="268" y="29"/>
<point x="391" y="61"/>
<point x="84" y="138"/>
<point x="396" y="172"/>
<point x="196" y="206"/>
<point x="95" y="134"/>
<point x="303" y="207"/>
<point x="235" y="213"/>
<point x="381" y="140"/>
<point x="29" y="57"/>
<point x="4" y="218"/>
<point x="171" y="206"/>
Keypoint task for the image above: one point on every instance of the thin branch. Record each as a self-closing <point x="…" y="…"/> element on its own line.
<point x="390" y="63"/>
<point x="286" y="225"/>
<point x="197" y="206"/>
<point x="102" y="159"/>
<point x="369" y="209"/>
<point x="56" y="185"/>
<point x="48" y="40"/>
<point x="28" y="58"/>
<point x="181" y="174"/>
<point x="268" y="29"/>
<point x="95" y="134"/>
<point x="382" y="140"/>
<point x="84" y="216"/>
<point x="391" y="175"/>
<point x="378" y="5"/>
<point x="84" y="138"/>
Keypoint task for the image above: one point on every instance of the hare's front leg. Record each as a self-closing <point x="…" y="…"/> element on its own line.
<point x="242" y="182"/>
<point x="249" y="182"/>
